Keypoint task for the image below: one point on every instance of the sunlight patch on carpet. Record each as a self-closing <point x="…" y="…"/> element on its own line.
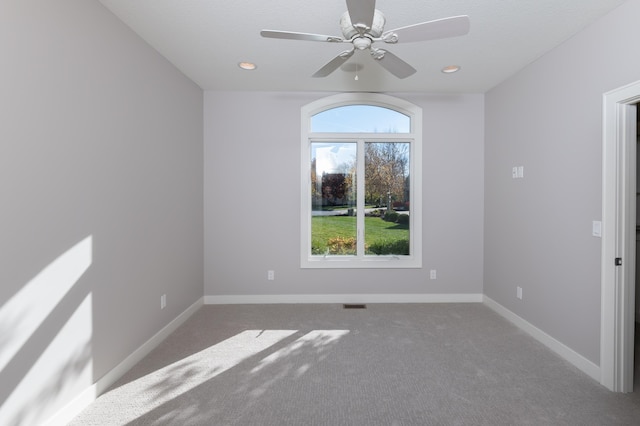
<point x="317" y="339"/>
<point x="155" y="389"/>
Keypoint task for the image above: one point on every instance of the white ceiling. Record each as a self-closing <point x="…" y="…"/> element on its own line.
<point x="206" y="39"/>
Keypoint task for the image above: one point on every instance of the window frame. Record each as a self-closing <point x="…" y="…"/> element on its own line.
<point x="414" y="137"/>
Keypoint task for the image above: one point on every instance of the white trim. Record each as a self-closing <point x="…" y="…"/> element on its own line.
<point x="89" y="395"/>
<point x="618" y="219"/>
<point x="565" y="352"/>
<point x="341" y="298"/>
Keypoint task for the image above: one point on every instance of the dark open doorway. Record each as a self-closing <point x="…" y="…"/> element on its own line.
<point x="636" y="364"/>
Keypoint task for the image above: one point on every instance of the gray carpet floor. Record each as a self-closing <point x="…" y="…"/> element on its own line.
<point x="389" y="364"/>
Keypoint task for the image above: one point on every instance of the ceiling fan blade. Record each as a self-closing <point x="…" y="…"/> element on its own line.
<point x="432" y="30"/>
<point x="394" y="65"/>
<point x="361" y="11"/>
<point x="334" y="64"/>
<point x="288" y="35"/>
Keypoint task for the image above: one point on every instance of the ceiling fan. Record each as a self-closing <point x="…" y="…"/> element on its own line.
<point x="363" y="25"/>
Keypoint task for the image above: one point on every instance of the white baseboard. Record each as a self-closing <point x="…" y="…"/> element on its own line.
<point x="341" y="298"/>
<point x="582" y="363"/>
<point x="68" y="412"/>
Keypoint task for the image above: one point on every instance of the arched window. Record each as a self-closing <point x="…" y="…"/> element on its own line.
<point x="361" y="178"/>
<point x="360" y="118"/>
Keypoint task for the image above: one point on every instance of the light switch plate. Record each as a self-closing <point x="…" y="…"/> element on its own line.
<point x="596" y="228"/>
<point x="517" y="172"/>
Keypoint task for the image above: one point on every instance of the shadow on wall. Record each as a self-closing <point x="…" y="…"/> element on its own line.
<point x="45" y="340"/>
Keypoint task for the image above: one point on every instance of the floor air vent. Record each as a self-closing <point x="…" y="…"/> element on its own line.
<point x="354" y="306"/>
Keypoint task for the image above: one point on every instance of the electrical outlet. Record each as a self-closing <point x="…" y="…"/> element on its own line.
<point x="433" y="274"/>
<point x="271" y="275"/>
<point x="163" y="301"/>
<point x="519" y="292"/>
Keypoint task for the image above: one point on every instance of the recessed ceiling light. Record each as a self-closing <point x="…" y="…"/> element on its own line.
<point x="247" y="65"/>
<point x="451" y="69"/>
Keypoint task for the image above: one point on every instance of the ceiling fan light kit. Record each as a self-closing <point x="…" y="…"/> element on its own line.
<point x="362" y="25"/>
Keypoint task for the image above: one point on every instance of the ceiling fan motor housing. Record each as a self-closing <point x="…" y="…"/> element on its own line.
<point x="349" y="30"/>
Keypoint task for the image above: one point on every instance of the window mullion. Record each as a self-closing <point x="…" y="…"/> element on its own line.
<point x="360" y="198"/>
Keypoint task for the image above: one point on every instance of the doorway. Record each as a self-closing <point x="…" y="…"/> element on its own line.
<point x="636" y="334"/>
<point x="618" y="261"/>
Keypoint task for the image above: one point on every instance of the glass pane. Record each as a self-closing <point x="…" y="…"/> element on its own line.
<point x="360" y="119"/>
<point x="386" y="180"/>
<point x="333" y="198"/>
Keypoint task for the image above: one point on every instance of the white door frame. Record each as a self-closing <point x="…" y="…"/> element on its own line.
<point x="618" y="237"/>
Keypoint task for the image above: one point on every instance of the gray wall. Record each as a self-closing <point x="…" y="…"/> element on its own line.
<point x="101" y="182"/>
<point x="100" y="144"/>
<point x="548" y="118"/>
<point x="252" y="200"/>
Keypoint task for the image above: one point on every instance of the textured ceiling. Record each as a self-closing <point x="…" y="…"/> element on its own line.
<point x="206" y="39"/>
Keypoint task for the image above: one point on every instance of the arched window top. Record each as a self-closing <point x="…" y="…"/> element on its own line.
<point x="361" y="113"/>
<point x="360" y="118"/>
